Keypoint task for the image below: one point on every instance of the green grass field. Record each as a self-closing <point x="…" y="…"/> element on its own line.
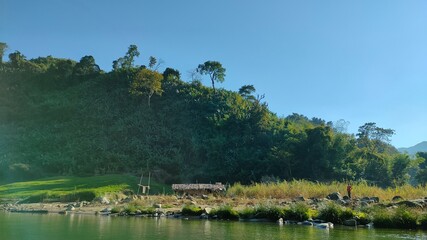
<point x="74" y="188"/>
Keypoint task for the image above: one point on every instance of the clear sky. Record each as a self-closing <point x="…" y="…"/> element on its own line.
<point x="362" y="61"/>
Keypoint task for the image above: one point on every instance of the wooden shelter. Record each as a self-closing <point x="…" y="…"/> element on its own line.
<point x="198" y="188"/>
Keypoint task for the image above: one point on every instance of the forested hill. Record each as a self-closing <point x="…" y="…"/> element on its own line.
<point x="420" y="147"/>
<point x="61" y="117"/>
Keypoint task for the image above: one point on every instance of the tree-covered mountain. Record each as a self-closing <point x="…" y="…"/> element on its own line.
<point x="62" y="117"/>
<point x="420" y="147"/>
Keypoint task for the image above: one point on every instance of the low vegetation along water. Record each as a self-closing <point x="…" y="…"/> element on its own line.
<point x="74" y="226"/>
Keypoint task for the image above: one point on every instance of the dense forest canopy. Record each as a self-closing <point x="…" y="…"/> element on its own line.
<point x="59" y="116"/>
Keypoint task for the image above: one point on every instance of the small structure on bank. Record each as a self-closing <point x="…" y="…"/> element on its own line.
<point x="145" y="189"/>
<point x="198" y="189"/>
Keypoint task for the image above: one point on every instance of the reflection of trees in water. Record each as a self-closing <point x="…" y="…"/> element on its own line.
<point x="104" y="223"/>
<point x="207" y="229"/>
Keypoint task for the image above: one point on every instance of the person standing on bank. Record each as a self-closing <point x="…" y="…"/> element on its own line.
<point x="349" y="188"/>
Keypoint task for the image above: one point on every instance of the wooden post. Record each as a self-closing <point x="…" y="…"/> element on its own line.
<point x="140" y="182"/>
<point x="149" y="180"/>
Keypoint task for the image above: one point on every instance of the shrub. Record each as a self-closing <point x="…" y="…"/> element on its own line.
<point x="331" y="213"/>
<point x="297" y="212"/>
<point x="191" y="210"/>
<point x="247" y="213"/>
<point x="362" y="218"/>
<point x="346" y="214"/>
<point x="149" y="210"/>
<point x="116" y="210"/>
<point x="131" y="209"/>
<point x="423" y="221"/>
<point x="269" y="211"/>
<point x="225" y="212"/>
<point x="402" y="217"/>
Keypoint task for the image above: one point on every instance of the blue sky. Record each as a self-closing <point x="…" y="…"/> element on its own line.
<point x="362" y="61"/>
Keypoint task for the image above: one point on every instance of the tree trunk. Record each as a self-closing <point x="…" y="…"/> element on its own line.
<point x="213" y="85"/>
<point x="149" y="98"/>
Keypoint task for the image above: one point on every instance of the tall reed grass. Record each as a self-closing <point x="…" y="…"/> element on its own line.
<point x="307" y="189"/>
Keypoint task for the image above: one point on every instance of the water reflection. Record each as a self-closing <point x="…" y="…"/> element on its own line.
<point x="67" y="227"/>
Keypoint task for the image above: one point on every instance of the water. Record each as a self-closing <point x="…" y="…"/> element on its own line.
<point x="17" y="226"/>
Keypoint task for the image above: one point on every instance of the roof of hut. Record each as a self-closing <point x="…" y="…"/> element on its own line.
<point x="199" y="186"/>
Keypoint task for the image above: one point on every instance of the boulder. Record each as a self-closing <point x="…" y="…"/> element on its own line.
<point x="208" y="210"/>
<point x="396" y="198"/>
<point x="375" y="199"/>
<point x="105" y="200"/>
<point x="205" y="196"/>
<point x="411" y="204"/>
<point x="127" y="200"/>
<point x="157" y="205"/>
<point x="307" y="223"/>
<point x="346" y="198"/>
<point x="106" y="210"/>
<point x="342" y="202"/>
<point x="334" y="196"/>
<point x="299" y="199"/>
<point x="350" y="222"/>
<point x="102" y="200"/>
<point x="70" y="208"/>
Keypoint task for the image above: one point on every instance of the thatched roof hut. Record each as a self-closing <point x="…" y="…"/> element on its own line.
<point x="196" y="189"/>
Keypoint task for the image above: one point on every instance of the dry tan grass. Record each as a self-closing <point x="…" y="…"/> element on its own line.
<point x="307" y="189"/>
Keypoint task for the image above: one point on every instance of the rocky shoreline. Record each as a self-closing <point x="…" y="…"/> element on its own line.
<point x="172" y="207"/>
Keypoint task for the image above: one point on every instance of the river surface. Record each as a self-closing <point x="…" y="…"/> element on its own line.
<point x="17" y="226"/>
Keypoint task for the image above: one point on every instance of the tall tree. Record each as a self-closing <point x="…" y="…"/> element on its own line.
<point x="86" y="66"/>
<point x="215" y="71"/>
<point x="3" y="47"/>
<point x="399" y="170"/>
<point x="147" y="82"/>
<point x="246" y="91"/>
<point x="127" y="61"/>
<point x="152" y="62"/>
<point x="16" y="59"/>
<point x="373" y="138"/>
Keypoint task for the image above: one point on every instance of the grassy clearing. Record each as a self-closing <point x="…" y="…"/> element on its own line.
<point x="73" y="188"/>
<point x="296" y="188"/>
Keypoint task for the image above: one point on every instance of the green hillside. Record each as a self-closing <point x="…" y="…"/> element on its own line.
<point x="61" y="117"/>
<point x="74" y="188"/>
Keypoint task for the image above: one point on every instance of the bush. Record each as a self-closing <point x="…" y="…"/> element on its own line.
<point x="362" y="218"/>
<point x="423" y="221"/>
<point x="116" y="210"/>
<point x="269" y="211"/>
<point x="149" y="210"/>
<point x="247" y="213"/>
<point x="405" y="218"/>
<point x="131" y="209"/>
<point x="331" y="213"/>
<point x="191" y="210"/>
<point x="225" y="212"/>
<point x="297" y="212"/>
<point x="346" y="214"/>
<point x="402" y="217"/>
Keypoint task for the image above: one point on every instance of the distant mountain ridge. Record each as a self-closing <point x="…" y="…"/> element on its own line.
<point x="420" y="147"/>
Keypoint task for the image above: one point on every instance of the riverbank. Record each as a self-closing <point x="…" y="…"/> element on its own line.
<point x="293" y="201"/>
<point x="367" y="211"/>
